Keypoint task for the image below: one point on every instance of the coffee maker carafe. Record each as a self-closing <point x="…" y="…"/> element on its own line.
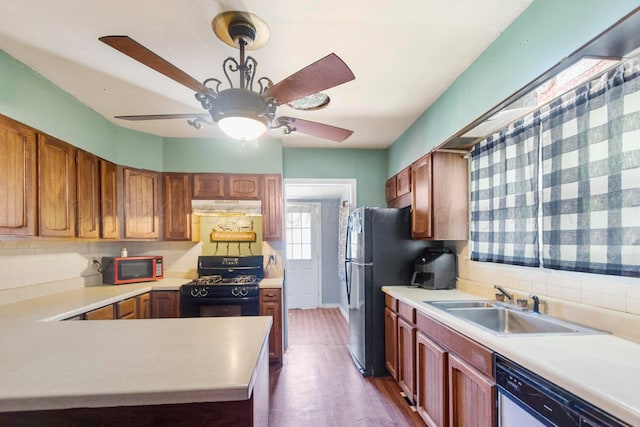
<point x="435" y="269"/>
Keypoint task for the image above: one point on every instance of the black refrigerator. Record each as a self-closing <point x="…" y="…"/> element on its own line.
<point x="379" y="253"/>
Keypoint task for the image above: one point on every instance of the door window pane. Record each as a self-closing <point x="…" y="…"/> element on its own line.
<point x="298" y="226"/>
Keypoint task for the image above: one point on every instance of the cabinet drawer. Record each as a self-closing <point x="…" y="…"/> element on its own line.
<point x="470" y="351"/>
<point x="391" y="303"/>
<point x="406" y="311"/>
<point x="126" y="309"/>
<point x="104" y="313"/>
<point x="267" y="295"/>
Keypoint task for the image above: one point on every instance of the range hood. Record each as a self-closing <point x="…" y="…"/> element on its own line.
<point x="216" y="207"/>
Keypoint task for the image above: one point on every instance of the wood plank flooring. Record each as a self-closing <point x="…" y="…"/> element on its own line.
<point x="318" y="384"/>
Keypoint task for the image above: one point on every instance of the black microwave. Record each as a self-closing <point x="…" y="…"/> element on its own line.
<point x="134" y="269"/>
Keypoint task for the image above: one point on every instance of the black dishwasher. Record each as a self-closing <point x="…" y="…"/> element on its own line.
<point x="527" y="400"/>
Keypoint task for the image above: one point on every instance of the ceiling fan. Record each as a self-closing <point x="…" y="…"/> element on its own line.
<point x="240" y="111"/>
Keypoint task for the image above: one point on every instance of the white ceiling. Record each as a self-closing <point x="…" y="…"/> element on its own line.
<point x="404" y="55"/>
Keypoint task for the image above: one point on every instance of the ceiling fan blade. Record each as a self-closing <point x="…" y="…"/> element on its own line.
<point x="164" y="116"/>
<point x="323" y="74"/>
<point x="135" y="50"/>
<point x="320" y="130"/>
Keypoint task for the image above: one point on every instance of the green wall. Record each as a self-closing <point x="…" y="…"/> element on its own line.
<point x="29" y="98"/>
<point x="546" y="32"/>
<point x="368" y="167"/>
<point x="222" y="155"/>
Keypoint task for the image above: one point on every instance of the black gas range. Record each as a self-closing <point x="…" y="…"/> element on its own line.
<point x="226" y="286"/>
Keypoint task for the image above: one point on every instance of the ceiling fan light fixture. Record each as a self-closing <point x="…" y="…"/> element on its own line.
<point x="242" y="128"/>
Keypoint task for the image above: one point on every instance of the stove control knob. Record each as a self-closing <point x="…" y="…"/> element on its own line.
<point x="235" y="292"/>
<point x="243" y="292"/>
<point x="204" y="292"/>
<point x="195" y="292"/>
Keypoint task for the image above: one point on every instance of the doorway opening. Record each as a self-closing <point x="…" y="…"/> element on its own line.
<point x="312" y="249"/>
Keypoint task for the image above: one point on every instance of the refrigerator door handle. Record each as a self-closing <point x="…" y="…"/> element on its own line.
<point x="347" y="260"/>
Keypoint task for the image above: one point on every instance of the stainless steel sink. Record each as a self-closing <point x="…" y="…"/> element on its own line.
<point x="504" y="320"/>
<point x="448" y="305"/>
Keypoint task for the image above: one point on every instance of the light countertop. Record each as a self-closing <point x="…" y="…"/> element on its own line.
<point x="53" y="365"/>
<point x="602" y="369"/>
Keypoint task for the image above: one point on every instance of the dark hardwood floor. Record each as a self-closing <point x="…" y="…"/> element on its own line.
<point x="318" y="384"/>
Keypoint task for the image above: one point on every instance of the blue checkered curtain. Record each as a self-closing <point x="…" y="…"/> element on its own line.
<point x="504" y="195"/>
<point x="591" y="177"/>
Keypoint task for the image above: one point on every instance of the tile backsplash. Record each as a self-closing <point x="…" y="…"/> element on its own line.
<point x="33" y="268"/>
<point x="610" y="296"/>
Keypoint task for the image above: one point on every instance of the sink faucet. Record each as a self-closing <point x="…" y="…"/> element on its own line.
<point x="503" y="292"/>
<point x="536" y="303"/>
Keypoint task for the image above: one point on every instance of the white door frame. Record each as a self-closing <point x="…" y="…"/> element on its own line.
<point x="301" y="189"/>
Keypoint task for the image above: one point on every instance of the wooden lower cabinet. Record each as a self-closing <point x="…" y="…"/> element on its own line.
<point x="271" y="305"/>
<point x="406" y="358"/>
<point x="143" y="305"/>
<point x="103" y="313"/>
<point x="448" y="376"/>
<point x="431" y="381"/>
<point x="126" y="309"/>
<point x="472" y="396"/>
<point x="391" y="342"/>
<point x="165" y="304"/>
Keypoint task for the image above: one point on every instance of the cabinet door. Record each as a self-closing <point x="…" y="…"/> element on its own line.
<point x="17" y="179"/>
<point x="208" y="186"/>
<point x="272" y="203"/>
<point x="57" y="187"/>
<point x="88" y="185"/>
<point x="391" y="188"/>
<point x="177" y="206"/>
<point x="127" y="309"/>
<point x="143" y="306"/>
<point x="421" y="221"/>
<point x="164" y="304"/>
<point x="403" y="182"/>
<point x="244" y="187"/>
<point x="271" y="305"/>
<point x="431" y="381"/>
<point x="391" y="342"/>
<point x="104" y="313"/>
<point x="140" y="204"/>
<point x="471" y="396"/>
<point x="406" y="357"/>
<point x="450" y="196"/>
<point x="109" y="200"/>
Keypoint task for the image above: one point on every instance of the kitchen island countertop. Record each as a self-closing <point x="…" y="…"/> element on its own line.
<point x="71" y="364"/>
<point x="602" y="369"/>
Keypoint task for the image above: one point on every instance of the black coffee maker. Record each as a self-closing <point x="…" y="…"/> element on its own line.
<point x="435" y="269"/>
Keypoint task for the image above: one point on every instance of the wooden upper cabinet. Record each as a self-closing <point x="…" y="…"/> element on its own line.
<point x="208" y="186"/>
<point x="439" y="188"/>
<point x="272" y="205"/>
<point x="140" y="204"/>
<point x="109" y="200"/>
<point x="391" y="188"/>
<point x="18" y="203"/>
<point x="398" y="189"/>
<point x="421" y="196"/>
<point x="403" y="182"/>
<point x="244" y="186"/>
<point x="57" y="187"/>
<point x="88" y="185"/>
<point x="177" y="206"/>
